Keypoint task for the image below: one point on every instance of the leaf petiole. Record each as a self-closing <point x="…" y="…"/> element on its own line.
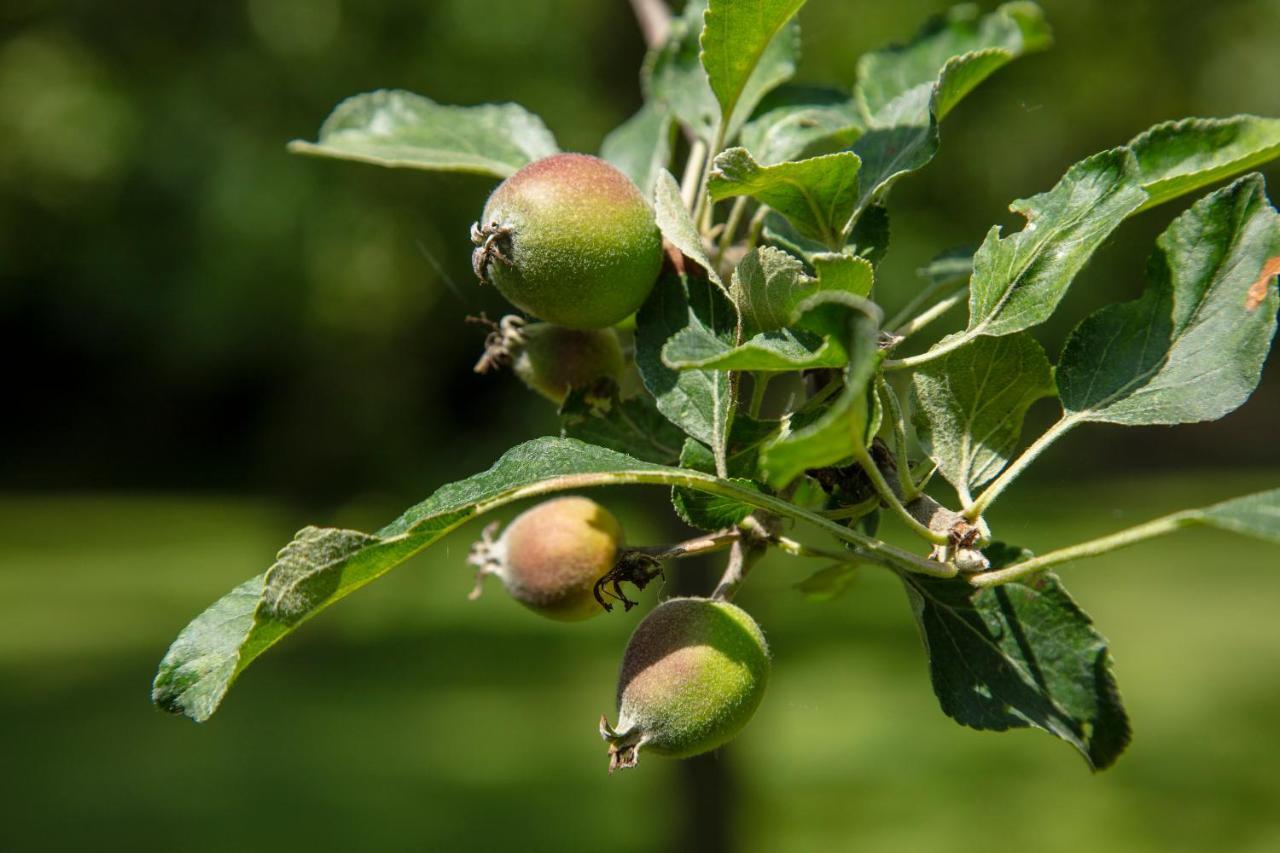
<point x="975" y="509"/>
<point x="891" y="499"/>
<point x="1093" y="548"/>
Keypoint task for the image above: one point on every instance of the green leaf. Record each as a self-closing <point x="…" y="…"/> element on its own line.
<point x="404" y="130"/>
<point x="829" y="583"/>
<point x="844" y="272"/>
<point x="971" y="404"/>
<point x="1179" y="157"/>
<point x="1191" y="348"/>
<point x="321" y="566"/>
<point x="673" y="76"/>
<point x="779" y="351"/>
<point x="772" y="294"/>
<point x="1253" y="515"/>
<point x="597" y="415"/>
<point x="816" y="195"/>
<point x="707" y="511"/>
<point x="641" y="146"/>
<point x="812" y="122"/>
<point x="953" y="52"/>
<point x="712" y="512"/>
<point x="767" y="284"/>
<point x="678" y="227"/>
<point x="1018" y="655"/>
<point x="1019" y="280"/>
<point x="772" y="291"/>
<point x="831" y="437"/>
<point x="905" y="91"/>
<point x="748" y="49"/>
<point x="700" y="402"/>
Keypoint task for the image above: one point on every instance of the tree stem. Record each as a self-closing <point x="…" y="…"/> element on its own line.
<point x="934" y="353"/>
<point x="731" y="224"/>
<point x="654" y="19"/>
<point x="708" y="544"/>
<point x="1092" y="548"/>
<point x="891" y="499"/>
<point x="759" y="385"/>
<point x="975" y="510"/>
<point x="692" y="173"/>
<point x="790" y="546"/>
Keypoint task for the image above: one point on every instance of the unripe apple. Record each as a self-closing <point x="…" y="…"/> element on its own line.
<point x="550" y="557"/>
<point x="551" y="360"/>
<point x="693" y="673"/>
<point x="571" y="240"/>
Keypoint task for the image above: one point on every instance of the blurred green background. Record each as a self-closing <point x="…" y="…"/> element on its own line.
<point x="209" y="343"/>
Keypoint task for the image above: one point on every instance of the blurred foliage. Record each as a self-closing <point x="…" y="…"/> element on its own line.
<point x="409" y="718"/>
<point x="186" y="305"/>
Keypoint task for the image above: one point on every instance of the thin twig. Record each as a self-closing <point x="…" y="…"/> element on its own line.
<point x="707" y="544"/>
<point x="654" y="19"/>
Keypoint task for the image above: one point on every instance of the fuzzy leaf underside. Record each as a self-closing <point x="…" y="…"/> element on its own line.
<point x="323" y="565"/>
<point x="641" y="146"/>
<point x="677" y="225"/>
<point x="1018" y="655"/>
<point x="1192" y="347"/>
<point x="816" y="195"/>
<point x="972" y="402"/>
<point x="700" y="402"/>
<point x="402" y="130"/>
<point x="596" y="414"/>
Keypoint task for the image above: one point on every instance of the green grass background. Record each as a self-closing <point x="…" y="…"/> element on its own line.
<point x="410" y="719"/>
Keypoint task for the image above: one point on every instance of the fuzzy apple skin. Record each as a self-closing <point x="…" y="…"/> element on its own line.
<point x="552" y="359"/>
<point x="693" y="674"/>
<point x="552" y="554"/>
<point x="583" y="245"/>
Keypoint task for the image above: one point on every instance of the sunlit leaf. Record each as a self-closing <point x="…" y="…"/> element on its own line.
<point x="972" y="402"/>
<point x="401" y="129"/>
<point x="1191" y="348"/>
<point x="816" y="195"/>
<point x="641" y="147"/>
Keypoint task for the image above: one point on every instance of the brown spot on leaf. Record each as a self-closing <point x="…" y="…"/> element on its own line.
<point x="1258" y="291"/>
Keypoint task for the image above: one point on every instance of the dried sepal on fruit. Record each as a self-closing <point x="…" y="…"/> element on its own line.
<point x="551" y="556"/>
<point x="570" y="240"/>
<point x="551" y="360"/>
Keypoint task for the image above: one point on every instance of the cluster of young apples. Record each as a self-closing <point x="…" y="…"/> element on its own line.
<point x="694" y="670"/>
<point x="571" y="241"/>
